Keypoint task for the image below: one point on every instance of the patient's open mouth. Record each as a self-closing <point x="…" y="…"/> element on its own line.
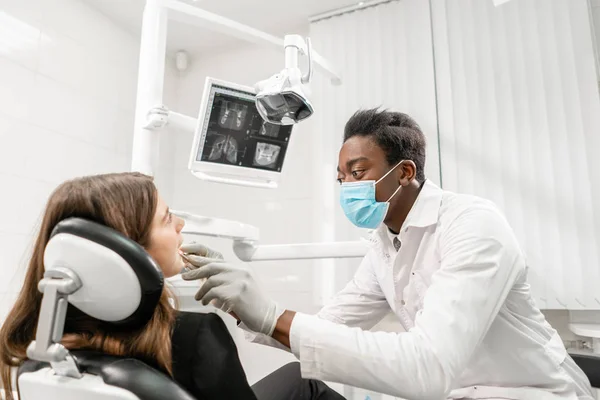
<point x="186" y="262"/>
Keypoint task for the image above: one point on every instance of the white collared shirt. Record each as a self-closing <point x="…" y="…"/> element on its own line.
<point x="459" y="286"/>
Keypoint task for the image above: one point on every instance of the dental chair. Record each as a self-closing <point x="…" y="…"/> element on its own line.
<point x="110" y="278"/>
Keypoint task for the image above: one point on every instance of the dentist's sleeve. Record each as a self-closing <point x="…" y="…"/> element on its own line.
<point x="360" y="304"/>
<point x="480" y="263"/>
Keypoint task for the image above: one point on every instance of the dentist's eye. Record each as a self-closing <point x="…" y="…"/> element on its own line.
<point x="357" y="173"/>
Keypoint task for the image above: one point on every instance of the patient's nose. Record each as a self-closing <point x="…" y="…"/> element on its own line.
<point x="180" y="224"/>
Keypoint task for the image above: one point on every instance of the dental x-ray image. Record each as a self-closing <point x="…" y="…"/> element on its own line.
<point x="237" y="135"/>
<point x="232" y="115"/>
<point x="222" y="148"/>
<point x="267" y="129"/>
<point x="266" y="155"/>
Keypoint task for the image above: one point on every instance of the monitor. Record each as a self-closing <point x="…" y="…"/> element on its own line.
<point x="232" y="143"/>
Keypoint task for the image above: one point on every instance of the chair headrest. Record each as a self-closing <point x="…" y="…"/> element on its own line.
<point x="121" y="283"/>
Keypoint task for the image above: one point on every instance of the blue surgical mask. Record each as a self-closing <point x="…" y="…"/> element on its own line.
<point x="360" y="205"/>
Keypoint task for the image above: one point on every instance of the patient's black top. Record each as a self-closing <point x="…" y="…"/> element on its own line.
<point x="205" y="359"/>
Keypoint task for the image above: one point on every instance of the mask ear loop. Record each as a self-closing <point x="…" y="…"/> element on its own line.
<point x="397" y="190"/>
<point x="387" y="173"/>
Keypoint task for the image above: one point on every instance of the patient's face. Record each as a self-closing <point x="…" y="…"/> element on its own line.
<point x="165" y="240"/>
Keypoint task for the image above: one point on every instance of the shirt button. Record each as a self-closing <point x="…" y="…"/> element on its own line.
<point x="403" y="302"/>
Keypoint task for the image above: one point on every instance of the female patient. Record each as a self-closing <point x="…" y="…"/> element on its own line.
<point x="195" y="349"/>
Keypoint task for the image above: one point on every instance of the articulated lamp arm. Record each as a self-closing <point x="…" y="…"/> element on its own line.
<point x="246" y="237"/>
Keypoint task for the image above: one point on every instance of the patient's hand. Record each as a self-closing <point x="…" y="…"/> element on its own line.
<point x="198" y="255"/>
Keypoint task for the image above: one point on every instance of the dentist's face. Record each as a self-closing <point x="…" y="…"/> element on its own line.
<point x="361" y="159"/>
<point x="165" y="240"/>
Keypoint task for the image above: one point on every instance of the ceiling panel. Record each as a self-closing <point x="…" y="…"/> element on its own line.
<point x="276" y="17"/>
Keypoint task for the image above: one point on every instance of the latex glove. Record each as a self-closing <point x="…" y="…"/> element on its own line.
<point x="236" y="290"/>
<point x="199" y="255"/>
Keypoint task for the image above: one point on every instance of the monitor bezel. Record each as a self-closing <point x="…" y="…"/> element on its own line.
<point x="223" y="170"/>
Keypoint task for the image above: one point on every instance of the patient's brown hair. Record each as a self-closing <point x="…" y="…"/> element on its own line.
<point x="127" y="203"/>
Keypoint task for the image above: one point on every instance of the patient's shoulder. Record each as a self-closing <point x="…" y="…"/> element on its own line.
<point x="184" y="317"/>
<point x="199" y="321"/>
<point x="192" y="335"/>
<point x="205" y="358"/>
<point x="192" y="329"/>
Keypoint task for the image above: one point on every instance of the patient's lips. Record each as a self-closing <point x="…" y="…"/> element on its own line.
<point x="187" y="264"/>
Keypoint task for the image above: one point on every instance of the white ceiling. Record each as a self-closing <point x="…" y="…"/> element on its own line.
<point x="276" y="17"/>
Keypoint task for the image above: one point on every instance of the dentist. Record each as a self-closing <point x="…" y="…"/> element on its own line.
<point x="448" y="265"/>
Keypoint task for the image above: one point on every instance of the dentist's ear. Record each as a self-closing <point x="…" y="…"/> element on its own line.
<point x="407" y="172"/>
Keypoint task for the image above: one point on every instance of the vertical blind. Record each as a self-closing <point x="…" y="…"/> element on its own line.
<point x="511" y="91"/>
<point x="519" y="124"/>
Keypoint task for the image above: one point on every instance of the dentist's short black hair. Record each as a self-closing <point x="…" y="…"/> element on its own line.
<point x="398" y="135"/>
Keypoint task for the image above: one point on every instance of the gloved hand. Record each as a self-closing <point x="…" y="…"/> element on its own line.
<point x="199" y="255"/>
<point x="236" y="290"/>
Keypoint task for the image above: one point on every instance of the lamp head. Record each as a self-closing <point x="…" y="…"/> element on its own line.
<point x="282" y="99"/>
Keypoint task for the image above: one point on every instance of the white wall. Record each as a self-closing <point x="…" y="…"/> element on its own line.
<point x="67" y="94"/>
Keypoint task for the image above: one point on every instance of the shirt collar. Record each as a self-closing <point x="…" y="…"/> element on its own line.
<point x="425" y="211"/>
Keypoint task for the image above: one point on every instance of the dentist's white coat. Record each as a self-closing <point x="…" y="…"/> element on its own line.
<point x="459" y="287"/>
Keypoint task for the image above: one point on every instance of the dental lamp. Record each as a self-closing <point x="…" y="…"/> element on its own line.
<point x="283" y="98"/>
